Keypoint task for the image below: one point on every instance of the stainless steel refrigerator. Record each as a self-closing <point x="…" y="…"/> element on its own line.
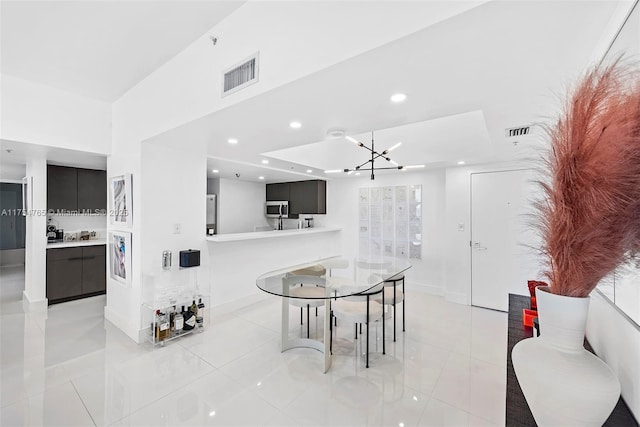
<point x="211" y="215"/>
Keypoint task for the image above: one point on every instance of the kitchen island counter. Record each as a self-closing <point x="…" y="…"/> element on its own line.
<point x="233" y="237"/>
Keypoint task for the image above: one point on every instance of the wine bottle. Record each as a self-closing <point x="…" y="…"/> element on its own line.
<point x="172" y="316"/>
<point x="194" y="308"/>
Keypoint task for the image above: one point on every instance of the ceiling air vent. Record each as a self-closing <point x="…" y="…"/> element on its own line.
<point x="519" y="131"/>
<point x="240" y="75"/>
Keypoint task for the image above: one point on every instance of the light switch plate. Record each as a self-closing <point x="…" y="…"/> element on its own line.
<point x="460" y="226"/>
<point x="177" y="228"/>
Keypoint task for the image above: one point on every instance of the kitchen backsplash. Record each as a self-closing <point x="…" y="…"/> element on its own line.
<point x="77" y="223"/>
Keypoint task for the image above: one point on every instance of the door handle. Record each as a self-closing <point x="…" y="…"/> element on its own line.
<point x="476" y="246"/>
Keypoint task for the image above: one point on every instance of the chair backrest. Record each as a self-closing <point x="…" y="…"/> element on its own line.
<point x="295" y="279"/>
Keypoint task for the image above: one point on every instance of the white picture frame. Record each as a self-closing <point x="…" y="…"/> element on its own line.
<point x="121" y="201"/>
<point x="119" y="256"/>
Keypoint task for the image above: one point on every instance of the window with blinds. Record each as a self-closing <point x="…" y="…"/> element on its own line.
<point x="240" y="76"/>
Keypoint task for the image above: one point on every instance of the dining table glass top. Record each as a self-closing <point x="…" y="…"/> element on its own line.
<point x="337" y="276"/>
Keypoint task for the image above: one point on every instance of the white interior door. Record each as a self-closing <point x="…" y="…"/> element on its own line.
<point x="502" y="258"/>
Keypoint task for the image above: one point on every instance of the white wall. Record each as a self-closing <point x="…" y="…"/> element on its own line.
<point x="75" y="223"/>
<point x="39" y="114"/>
<point x="342" y="211"/>
<point x="240" y="206"/>
<point x="616" y="341"/>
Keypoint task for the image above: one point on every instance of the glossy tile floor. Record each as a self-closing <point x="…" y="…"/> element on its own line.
<point x="69" y="367"/>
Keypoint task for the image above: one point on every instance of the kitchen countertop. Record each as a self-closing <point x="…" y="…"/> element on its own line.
<point x="77" y="243"/>
<point x="234" y="237"/>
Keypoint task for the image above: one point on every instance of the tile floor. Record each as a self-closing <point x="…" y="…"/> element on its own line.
<point x="69" y="367"/>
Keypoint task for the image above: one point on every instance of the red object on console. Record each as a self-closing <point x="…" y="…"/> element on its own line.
<point x="532" y="284"/>
<point x="528" y="316"/>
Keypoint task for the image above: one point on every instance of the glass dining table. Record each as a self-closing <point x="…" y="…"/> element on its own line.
<point x="324" y="280"/>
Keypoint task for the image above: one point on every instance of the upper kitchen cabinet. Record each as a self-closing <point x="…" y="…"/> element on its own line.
<point x="308" y="197"/>
<point x="278" y="192"/>
<point x="74" y="189"/>
<point x="92" y="189"/>
<point x="62" y="188"/>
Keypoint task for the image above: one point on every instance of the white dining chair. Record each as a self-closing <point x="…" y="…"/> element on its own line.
<point x="305" y="291"/>
<point x="357" y="309"/>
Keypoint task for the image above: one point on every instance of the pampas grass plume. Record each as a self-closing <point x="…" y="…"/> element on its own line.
<point x="590" y="218"/>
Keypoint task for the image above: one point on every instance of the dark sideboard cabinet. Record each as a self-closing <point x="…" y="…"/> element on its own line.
<point x="76" y="272"/>
<point x="72" y="189"/>
<point x="305" y="197"/>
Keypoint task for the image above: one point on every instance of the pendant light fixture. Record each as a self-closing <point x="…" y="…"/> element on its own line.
<point x="374" y="156"/>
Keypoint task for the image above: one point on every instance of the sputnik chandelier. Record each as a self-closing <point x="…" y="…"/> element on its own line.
<point x="374" y="156"/>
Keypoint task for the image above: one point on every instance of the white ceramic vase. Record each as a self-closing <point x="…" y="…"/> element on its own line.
<point x="564" y="384"/>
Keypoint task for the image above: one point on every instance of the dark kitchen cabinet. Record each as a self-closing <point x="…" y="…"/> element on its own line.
<point x="64" y="274"/>
<point x="94" y="265"/>
<point x="92" y="189"/>
<point x="278" y="192"/>
<point x="62" y="188"/>
<point x="308" y="197"/>
<point x="76" y="272"/>
<point x="305" y="197"/>
<point x="73" y="189"/>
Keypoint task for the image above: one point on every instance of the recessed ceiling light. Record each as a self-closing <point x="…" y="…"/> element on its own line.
<point x="335" y="133"/>
<point x="261" y="177"/>
<point x="309" y="170"/>
<point x="398" y="97"/>
<point x="295" y="125"/>
<point x="461" y="162"/>
<point x="265" y="162"/>
<point x="232" y="141"/>
<point x="215" y="171"/>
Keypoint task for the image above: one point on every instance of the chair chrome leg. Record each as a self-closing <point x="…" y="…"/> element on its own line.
<point x="394" y="311"/>
<point x="301" y="314"/>
<point x="383" y="328"/>
<point x="404" y="298"/>
<point x="367" y="356"/>
<point x="356" y="334"/>
<point x="308" y="334"/>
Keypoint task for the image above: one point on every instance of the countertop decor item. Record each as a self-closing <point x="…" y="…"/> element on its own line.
<point x="590" y="224"/>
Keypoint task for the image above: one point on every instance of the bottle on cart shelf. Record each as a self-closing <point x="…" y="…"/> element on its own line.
<point x="194" y="308"/>
<point x="172" y="316"/>
<point x="162" y="326"/>
<point x="189" y="319"/>
<point x="178" y="322"/>
<point x="200" y="315"/>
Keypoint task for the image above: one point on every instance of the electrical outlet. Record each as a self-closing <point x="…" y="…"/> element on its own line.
<point x="177" y="228"/>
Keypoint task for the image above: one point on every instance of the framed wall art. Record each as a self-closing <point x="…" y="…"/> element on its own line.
<point x="119" y="256"/>
<point x="121" y="201"/>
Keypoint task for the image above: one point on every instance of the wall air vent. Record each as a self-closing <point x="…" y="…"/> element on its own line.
<point x="519" y="131"/>
<point x="240" y="75"/>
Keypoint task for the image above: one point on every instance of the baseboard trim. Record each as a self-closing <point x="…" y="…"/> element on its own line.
<point x="38" y="306"/>
<point x="121" y="323"/>
<point x="425" y="288"/>
<point x="456" y="297"/>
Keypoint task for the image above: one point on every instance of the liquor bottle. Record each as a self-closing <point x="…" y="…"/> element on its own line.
<point x="194" y="308"/>
<point x="172" y="315"/>
<point x="178" y="323"/>
<point x="200" y="315"/>
<point x="189" y="319"/>
<point x="164" y="326"/>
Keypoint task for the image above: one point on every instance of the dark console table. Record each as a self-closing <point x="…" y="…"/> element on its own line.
<point x="518" y="412"/>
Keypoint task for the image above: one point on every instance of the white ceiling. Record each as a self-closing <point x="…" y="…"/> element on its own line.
<point x="228" y="169"/>
<point x="502" y="64"/>
<point x="467" y="78"/>
<point x="100" y="49"/>
<point x="14" y="153"/>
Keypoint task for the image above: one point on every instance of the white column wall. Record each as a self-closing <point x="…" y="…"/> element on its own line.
<point x="35" y="286"/>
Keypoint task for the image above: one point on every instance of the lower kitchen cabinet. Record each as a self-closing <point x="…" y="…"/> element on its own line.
<point x="76" y="272"/>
